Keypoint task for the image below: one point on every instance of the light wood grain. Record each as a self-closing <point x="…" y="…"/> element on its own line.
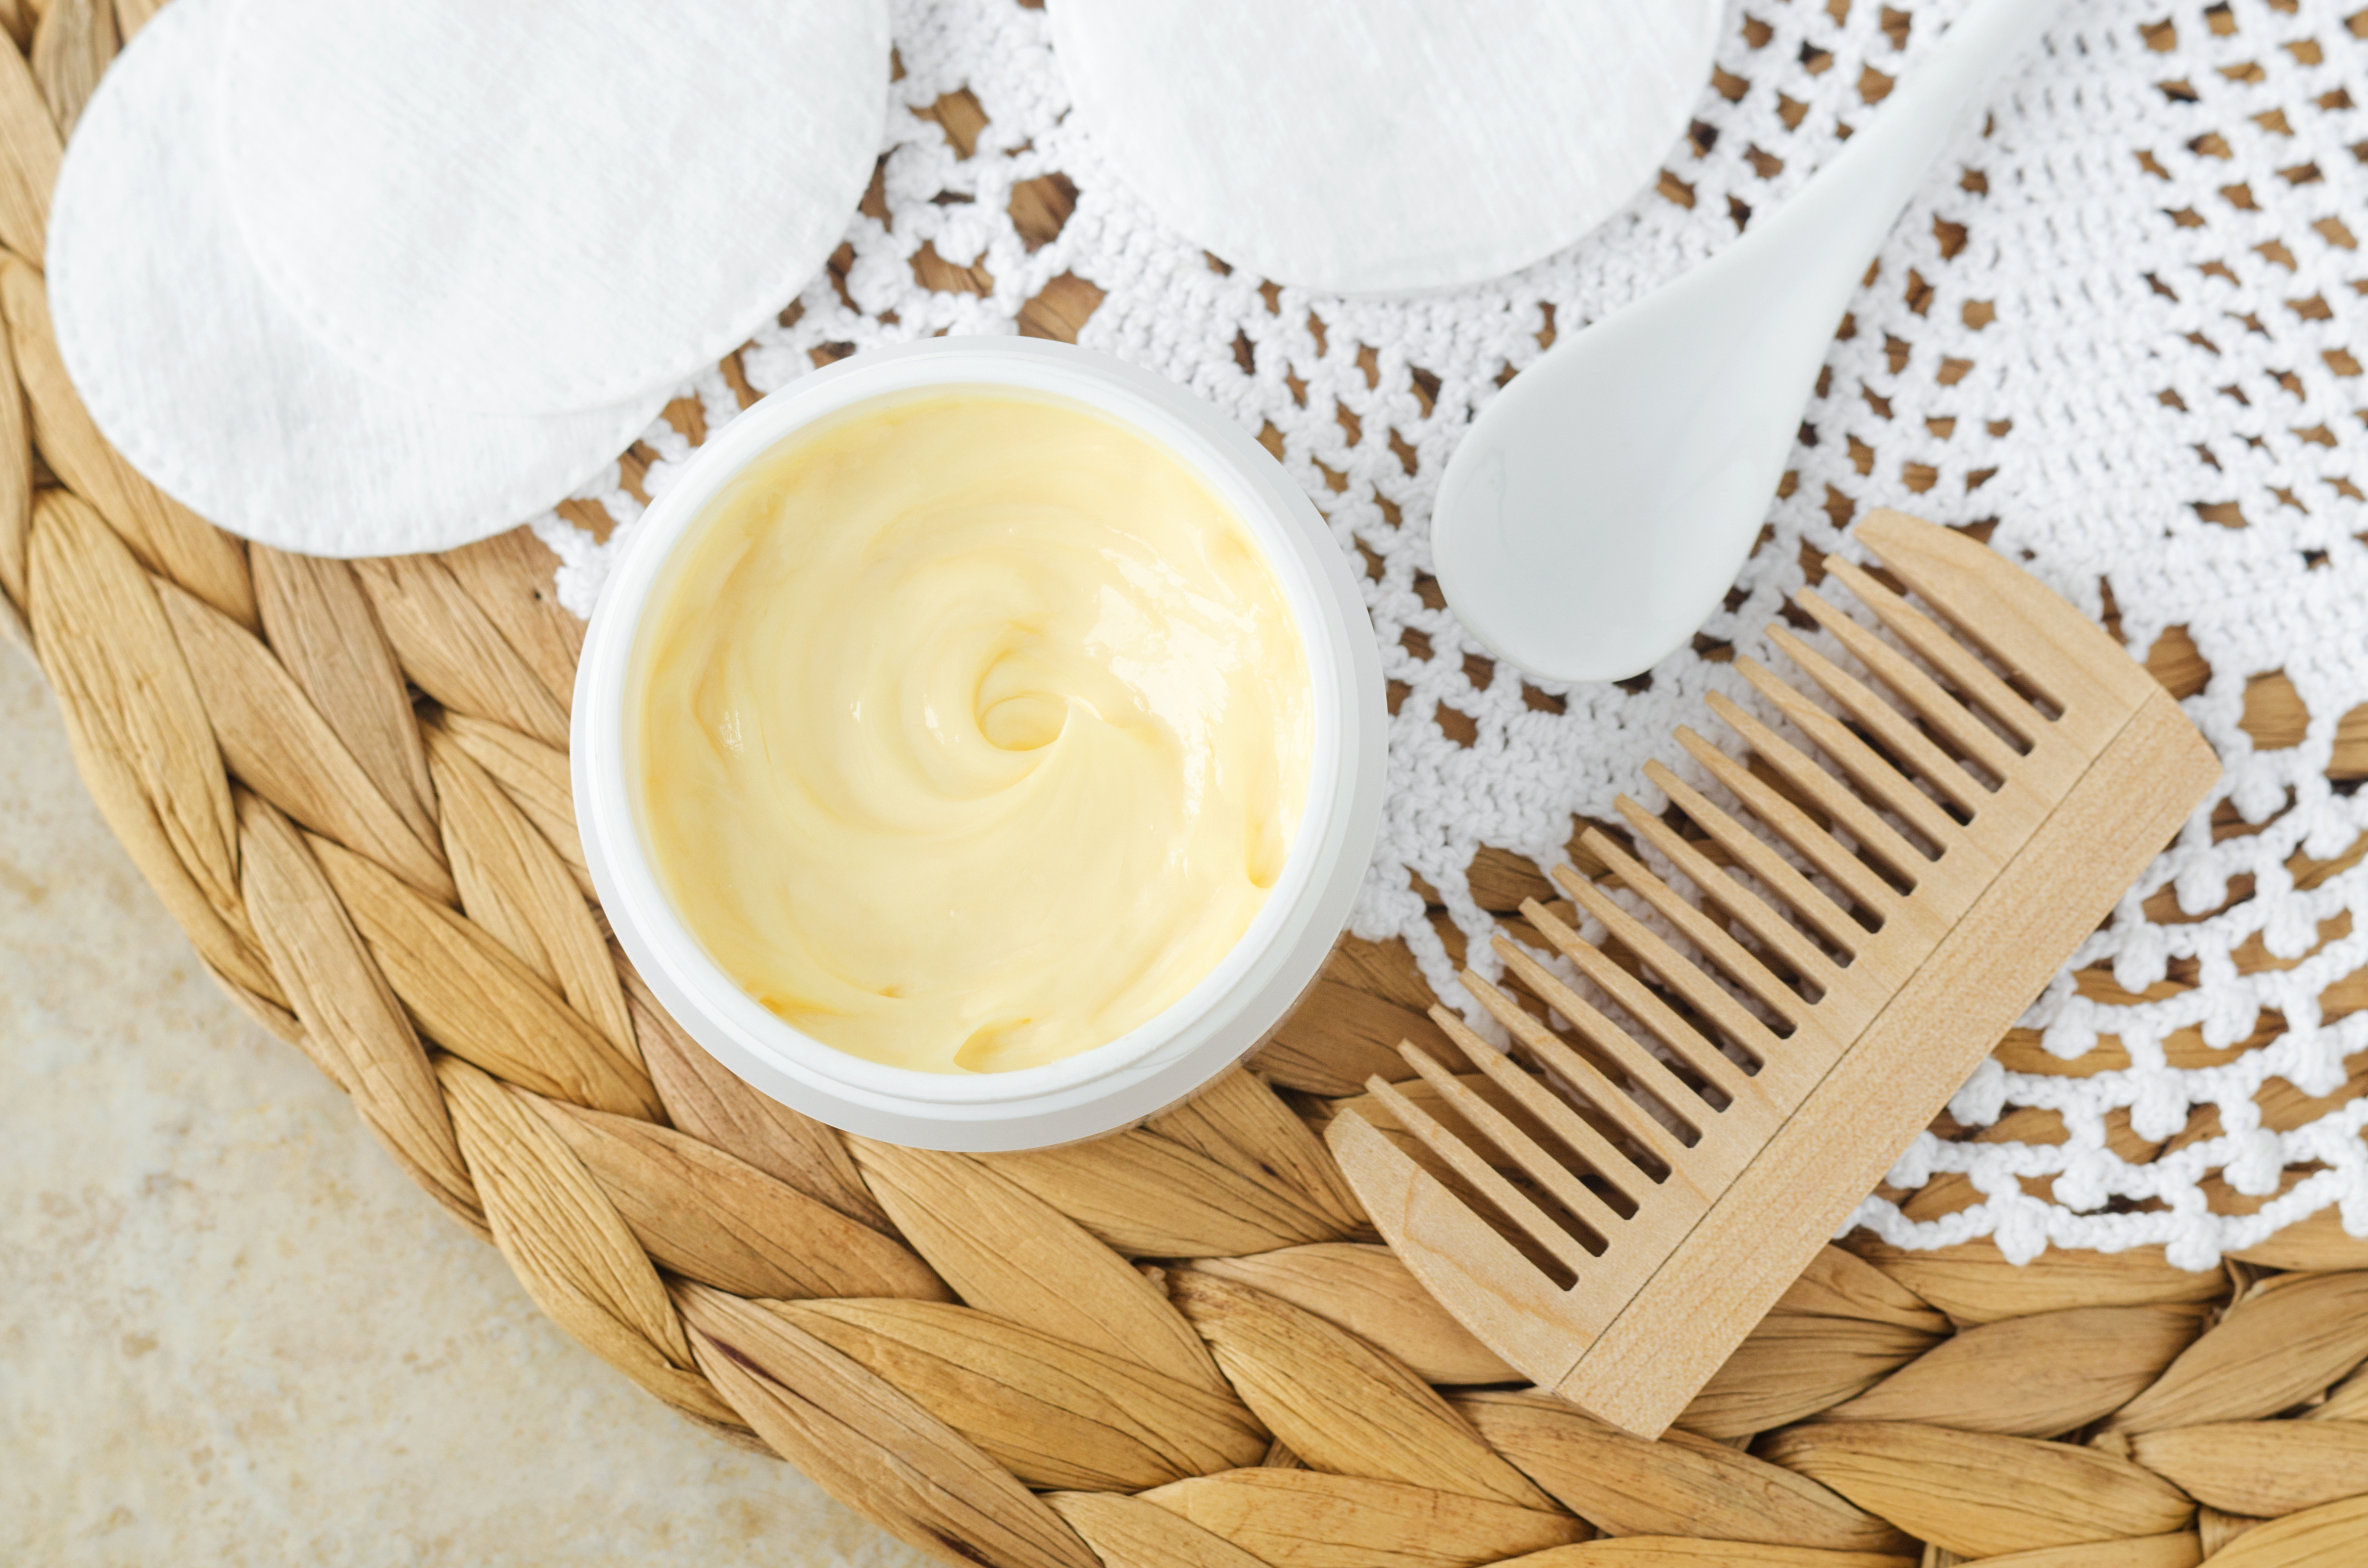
<point x="2283" y="1341"/>
<point x="2330" y="1534"/>
<point x="2033" y="1377"/>
<point x="1306" y="1519"/>
<point x="1684" y="1551"/>
<point x="2016" y="1494"/>
<point x="2261" y="1469"/>
<point x="1759" y="1079"/>
<point x="1365" y="1289"/>
<point x="661" y="1203"/>
<point x="320" y="625"/>
<point x="72" y="45"/>
<point x="1679" y="1485"/>
<point x="29" y="149"/>
<point x="168" y="537"/>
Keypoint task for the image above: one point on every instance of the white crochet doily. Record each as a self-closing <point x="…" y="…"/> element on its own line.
<point x="2118" y="327"/>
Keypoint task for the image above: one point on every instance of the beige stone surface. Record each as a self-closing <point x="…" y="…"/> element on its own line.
<point x="232" y="1332"/>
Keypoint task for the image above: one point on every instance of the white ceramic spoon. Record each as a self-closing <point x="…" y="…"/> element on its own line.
<point x="1599" y="508"/>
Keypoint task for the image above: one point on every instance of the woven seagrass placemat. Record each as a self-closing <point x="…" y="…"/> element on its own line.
<point x="1179" y="1345"/>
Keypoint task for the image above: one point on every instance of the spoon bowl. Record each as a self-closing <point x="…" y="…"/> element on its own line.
<point x="1600" y="506"/>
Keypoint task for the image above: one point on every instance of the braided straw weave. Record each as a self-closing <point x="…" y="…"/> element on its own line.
<point x="1176" y="1347"/>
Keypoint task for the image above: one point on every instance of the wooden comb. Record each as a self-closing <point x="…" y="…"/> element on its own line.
<point x="1967" y="836"/>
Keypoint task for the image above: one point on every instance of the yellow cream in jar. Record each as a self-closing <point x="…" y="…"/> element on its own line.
<point x="973" y="729"/>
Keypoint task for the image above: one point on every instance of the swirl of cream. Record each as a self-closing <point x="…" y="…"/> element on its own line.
<point x="973" y="729"/>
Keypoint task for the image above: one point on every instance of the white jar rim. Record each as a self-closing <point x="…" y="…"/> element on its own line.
<point x="1181" y="1048"/>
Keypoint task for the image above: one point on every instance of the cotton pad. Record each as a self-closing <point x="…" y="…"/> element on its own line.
<point x="535" y="207"/>
<point x="193" y="370"/>
<point x="1371" y="145"/>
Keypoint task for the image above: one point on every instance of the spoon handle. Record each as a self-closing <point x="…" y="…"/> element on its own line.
<point x="1596" y="510"/>
<point x="1841" y="216"/>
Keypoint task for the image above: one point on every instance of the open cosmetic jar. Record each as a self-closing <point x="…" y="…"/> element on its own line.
<point x="1211" y="1025"/>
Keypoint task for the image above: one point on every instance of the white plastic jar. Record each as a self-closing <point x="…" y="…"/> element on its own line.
<point x="1203" y="1032"/>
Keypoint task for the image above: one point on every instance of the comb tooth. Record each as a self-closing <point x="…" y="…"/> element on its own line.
<point x="1941" y="651"/>
<point x="1649" y="1010"/>
<point x="1694" y="926"/>
<point x="1796" y="827"/>
<point x="1615" y="1168"/>
<point x="1616" y="1043"/>
<point x="1860" y="701"/>
<point x="1868" y="770"/>
<point x="1878" y="837"/>
<point x="1693" y="987"/>
<point x="1754" y="915"/>
<point x="1534" y="1161"/>
<point x="1483" y="1177"/>
<point x="1935" y="706"/>
<point x="1793" y="825"/>
<point x="1772" y="870"/>
<point x="1627" y="1055"/>
<point x="1607" y="1096"/>
<point x="2043" y="644"/>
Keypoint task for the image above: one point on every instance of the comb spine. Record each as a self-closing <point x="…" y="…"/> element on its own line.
<point x="1962" y="994"/>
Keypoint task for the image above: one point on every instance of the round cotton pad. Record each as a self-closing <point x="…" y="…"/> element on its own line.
<point x="1371" y="145"/>
<point x="530" y="208"/>
<point x="195" y="372"/>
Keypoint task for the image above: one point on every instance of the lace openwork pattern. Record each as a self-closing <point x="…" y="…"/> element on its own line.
<point x="2117" y="335"/>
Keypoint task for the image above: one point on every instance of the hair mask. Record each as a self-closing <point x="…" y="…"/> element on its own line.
<point x="974" y="729"/>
